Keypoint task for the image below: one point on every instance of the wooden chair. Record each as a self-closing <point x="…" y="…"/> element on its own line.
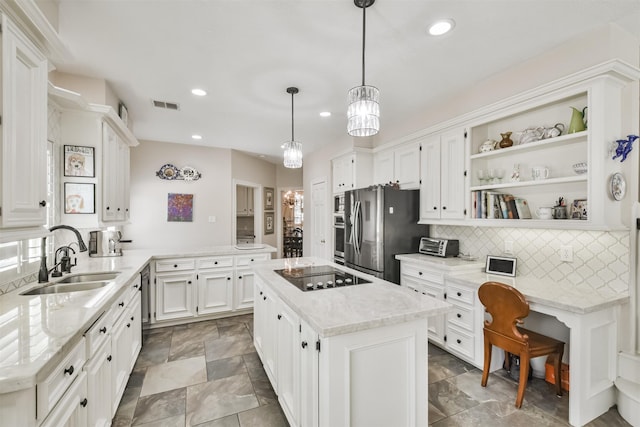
<point x="507" y="307"/>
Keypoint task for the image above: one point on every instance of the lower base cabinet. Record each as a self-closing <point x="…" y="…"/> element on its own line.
<point x="98" y="369"/>
<point x="71" y="410"/>
<point x="366" y="378"/>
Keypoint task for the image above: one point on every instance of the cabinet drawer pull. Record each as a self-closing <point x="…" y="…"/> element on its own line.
<point x="459" y="341"/>
<point x="240" y="278"/>
<point x="43" y="203"/>
<point x="175" y="265"/>
<point x="215" y="262"/>
<point x="121" y="304"/>
<point x="459" y="315"/>
<point x="103" y="330"/>
<point x="189" y="282"/>
<point x="260" y="292"/>
<point x="459" y="294"/>
<point x="279" y="316"/>
<point x="84" y="402"/>
<point x="264" y="298"/>
<point x="69" y="370"/>
<point x="419" y="273"/>
<point x="228" y="278"/>
<point x="107" y="207"/>
<point x="128" y="325"/>
<point x="132" y="318"/>
<point x="304" y="344"/>
<point x="435" y="208"/>
<point x="118" y="209"/>
<point x="444" y="208"/>
<point x="251" y="259"/>
<point x="109" y="358"/>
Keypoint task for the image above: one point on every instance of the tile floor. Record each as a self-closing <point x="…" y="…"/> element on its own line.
<point x="208" y="374"/>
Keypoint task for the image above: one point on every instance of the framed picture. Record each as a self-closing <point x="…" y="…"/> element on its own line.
<point x="79" y="198"/>
<point x="180" y="207"/>
<point x="579" y="209"/>
<point x="268" y="199"/>
<point x="79" y="161"/>
<point x="123" y="113"/>
<point x="269" y="220"/>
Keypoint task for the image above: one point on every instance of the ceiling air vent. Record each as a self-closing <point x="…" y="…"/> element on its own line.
<point x="166" y="105"/>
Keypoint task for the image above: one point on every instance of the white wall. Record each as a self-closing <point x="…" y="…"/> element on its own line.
<point x="212" y="196"/>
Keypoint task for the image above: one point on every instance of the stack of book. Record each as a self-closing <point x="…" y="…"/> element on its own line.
<point x="494" y="205"/>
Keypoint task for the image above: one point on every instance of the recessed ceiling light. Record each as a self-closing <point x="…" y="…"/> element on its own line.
<point x="198" y="92"/>
<point x="197" y="137"/>
<point x="441" y="27"/>
<point x="325" y="114"/>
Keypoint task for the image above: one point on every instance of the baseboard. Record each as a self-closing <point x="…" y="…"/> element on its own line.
<point x="628" y="387"/>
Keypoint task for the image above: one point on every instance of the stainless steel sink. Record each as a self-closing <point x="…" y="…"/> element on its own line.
<point x="89" y="277"/>
<point x="58" y="288"/>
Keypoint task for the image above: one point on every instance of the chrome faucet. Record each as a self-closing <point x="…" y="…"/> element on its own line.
<point x="43" y="273"/>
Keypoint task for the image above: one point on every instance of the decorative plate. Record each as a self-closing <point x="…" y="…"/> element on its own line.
<point x="618" y="186"/>
<point x="189" y="174"/>
<point x="168" y="171"/>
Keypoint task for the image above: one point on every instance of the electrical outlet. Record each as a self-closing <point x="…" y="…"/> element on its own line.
<point x="212" y="218"/>
<point x="566" y="253"/>
<point x="508" y="247"/>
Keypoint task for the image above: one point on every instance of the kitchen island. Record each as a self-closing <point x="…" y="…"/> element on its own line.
<point x="344" y="354"/>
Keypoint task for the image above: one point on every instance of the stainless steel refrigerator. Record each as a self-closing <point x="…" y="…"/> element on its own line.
<point x="381" y="222"/>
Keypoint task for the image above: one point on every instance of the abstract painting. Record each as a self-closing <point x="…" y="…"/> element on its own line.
<point x="180" y="207"/>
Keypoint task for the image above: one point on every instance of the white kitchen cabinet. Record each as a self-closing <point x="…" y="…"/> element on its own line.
<point x="400" y="165"/>
<point x="99" y="377"/>
<point x="259" y="317"/>
<point x="288" y="361"/>
<point x="71" y="410"/>
<point x="244" y="201"/>
<point x="442" y="190"/>
<point x="175" y="295"/>
<point x="115" y="184"/>
<point x="23" y="139"/>
<point x="244" y="285"/>
<point x="351" y="171"/>
<point x="215" y="290"/>
<point x="309" y="376"/>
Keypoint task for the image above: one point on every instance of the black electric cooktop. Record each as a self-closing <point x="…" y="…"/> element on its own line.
<point x="319" y="277"/>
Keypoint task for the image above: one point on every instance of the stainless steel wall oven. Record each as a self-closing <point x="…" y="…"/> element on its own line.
<point x="338" y="236"/>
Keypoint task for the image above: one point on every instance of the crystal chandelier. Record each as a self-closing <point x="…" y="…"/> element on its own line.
<point x="363" y="114"/>
<point x="292" y="149"/>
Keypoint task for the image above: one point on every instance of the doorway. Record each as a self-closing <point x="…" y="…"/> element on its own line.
<point x="245" y="218"/>
<point x="292" y="222"/>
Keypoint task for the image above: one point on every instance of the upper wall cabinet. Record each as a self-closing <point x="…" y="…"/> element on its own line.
<point x="400" y="165"/>
<point x="24" y="134"/>
<point x="350" y="171"/>
<point x="587" y="194"/>
<point x="98" y="128"/>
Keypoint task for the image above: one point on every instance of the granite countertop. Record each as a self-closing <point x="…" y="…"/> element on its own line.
<point x="451" y="264"/>
<point x="338" y="311"/>
<point x="37" y="331"/>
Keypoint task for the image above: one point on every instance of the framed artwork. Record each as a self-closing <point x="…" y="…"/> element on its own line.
<point x="269" y="220"/>
<point x="268" y="199"/>
<point x="180" y="207"/>
<point x="79" y="161"/>
<point x="79" y="198"/>
<point x="123" y="113"/>
<point x="579" y="209"/>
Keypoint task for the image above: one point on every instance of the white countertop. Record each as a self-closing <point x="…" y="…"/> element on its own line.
<point x="338" y="311"/>
<point x="559" y="295"/>
<point x="37" y="331"/>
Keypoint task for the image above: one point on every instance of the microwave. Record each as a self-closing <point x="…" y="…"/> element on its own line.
<point x="439" y="247"/>
<point x="338" y="203"/>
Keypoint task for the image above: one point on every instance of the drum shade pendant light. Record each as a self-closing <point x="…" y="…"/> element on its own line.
<point x="292" y="149"/>
<point x="363" y="114"/>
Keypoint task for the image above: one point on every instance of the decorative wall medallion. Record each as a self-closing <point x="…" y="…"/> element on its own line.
<point x="618" y="186"/>
<point x="170" y="172"/>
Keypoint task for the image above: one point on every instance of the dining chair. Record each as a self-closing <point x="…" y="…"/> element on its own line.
<point x="508" y="307"/>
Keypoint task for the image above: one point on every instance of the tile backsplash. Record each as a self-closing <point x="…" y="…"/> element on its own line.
<point x="600" y="258"/>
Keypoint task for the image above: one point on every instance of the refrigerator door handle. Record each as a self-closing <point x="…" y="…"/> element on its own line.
<point x="358" y="226"/>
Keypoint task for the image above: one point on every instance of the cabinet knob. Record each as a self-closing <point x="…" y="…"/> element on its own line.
<point x="43" y="203"/>
<point x="175" y="265"/>
<point x="118" y="209"/>
<point x="251" y="259"/>
<point x="435" y="208"/>
<point x="240" y="278"/>
<point x="419" y="273"/>
<point x="107" y="207"/>
<point x="215" y="262"/>
<point x="109" y="358"/>
<point x="459" y="315"/>
<point x="189" y="282"/>
<point x="228" y="278"/>
<point x="264" y="298"/>
<point x="444" y="208"/>
<point x="126" y="210"/>
<point x="459" y="341"/>
<point x="260" y="292"/>
<point x="121" y="304"/>
<point x="69" y="370"/>
<point x="128" y="325"/>
<point x="84" y="402"/>
<point x="459" y="294"/>
<point x="135" y="286"/>
<point x="103" y="330"/>
<point x="304" y="344"/>
<point x="132" y="318"/>
<point x="279" y="316"/>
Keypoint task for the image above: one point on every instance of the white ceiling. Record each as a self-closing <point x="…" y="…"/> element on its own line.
<point x="245" y="53"/>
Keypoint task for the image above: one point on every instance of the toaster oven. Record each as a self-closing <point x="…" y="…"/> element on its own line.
<point x="439" y="247"/>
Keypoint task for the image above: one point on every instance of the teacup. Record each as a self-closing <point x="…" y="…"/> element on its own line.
<point x="539" y="172"/>
<point x="544" y="213"/>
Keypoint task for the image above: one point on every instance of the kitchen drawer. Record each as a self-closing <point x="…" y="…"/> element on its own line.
<point x="175" y="264"/>
<point x="120" y="305"/>
<point x="460" y="293"/>
<point x="245" y="260"/>
<point x="215" y="262"/>
<point x="98" y="333"/>
<point x="422" y="273"/>
<point x="51" y="389"/>
<point x="460" y="342"/>
<point x="461" y="316"/>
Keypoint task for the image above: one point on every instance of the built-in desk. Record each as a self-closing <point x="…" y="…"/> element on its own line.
<point x="592" y="321"/>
